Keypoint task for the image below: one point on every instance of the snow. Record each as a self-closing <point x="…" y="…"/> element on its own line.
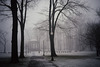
<point x="78" y="59"/>
<point x="77" y="62"/>
<point x="70" y="59"/>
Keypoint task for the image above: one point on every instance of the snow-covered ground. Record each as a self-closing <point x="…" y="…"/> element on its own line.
<point x="89" y="62"/>
<point x="77" y="59"/>
<point x="73" y="59"/>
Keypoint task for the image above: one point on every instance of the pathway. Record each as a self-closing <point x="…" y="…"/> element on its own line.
<point x="39" y="61"/>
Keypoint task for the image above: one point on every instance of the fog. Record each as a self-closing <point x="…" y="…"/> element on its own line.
<point x="38" y="38"/>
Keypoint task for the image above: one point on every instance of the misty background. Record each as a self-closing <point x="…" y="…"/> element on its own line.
<point x="35" y="39"/>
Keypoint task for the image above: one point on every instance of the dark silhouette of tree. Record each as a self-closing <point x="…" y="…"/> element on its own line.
<point x="56" y="8"/>
<point x="14" y="57"/>
<point x="12" y="6"/>
<point x="21" y="17"/>
<point x="93" y="36"/>
<point x="22" y="6"/>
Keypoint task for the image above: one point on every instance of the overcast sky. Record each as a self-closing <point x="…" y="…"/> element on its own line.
<point x="34" y="17"/>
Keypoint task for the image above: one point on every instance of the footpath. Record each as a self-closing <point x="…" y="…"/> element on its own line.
<point x="40" y="61"/>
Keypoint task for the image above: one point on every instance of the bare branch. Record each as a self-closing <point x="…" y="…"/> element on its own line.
<point x="18" y="20"/>
<point x="18" y="6"/>
<point x="3" y="4"/>
<point x="72" y="20"/>
<point x="78" y="4"/>
<point x="25" y="12"/>
<point x="60" y="12"/>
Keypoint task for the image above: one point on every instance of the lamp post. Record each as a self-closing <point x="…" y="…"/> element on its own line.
<point x="43" y="48"/>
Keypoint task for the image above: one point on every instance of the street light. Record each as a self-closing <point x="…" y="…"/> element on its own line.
<point x="43" y="48"/>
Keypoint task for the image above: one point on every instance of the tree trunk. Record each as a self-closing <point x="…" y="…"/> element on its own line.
<point x="22" y="42"/>
<point x="97" y="50"/>
<point x="4" y="48"/>
<point x="14" y="53"/>
<point x="51" y="29"/>
<point x="53" y="53"/>
<point x="22" y="25"/>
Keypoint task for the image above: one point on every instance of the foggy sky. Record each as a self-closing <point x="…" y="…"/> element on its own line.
<point x="34" y="17"/>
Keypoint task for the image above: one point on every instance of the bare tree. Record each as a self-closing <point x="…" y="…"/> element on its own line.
<point x="56" y="8"/>
<point x="21" y="17"/>
<point x="22" y="7"/>
<point x="12" y="6"/>
<point x="94" y="36"/>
